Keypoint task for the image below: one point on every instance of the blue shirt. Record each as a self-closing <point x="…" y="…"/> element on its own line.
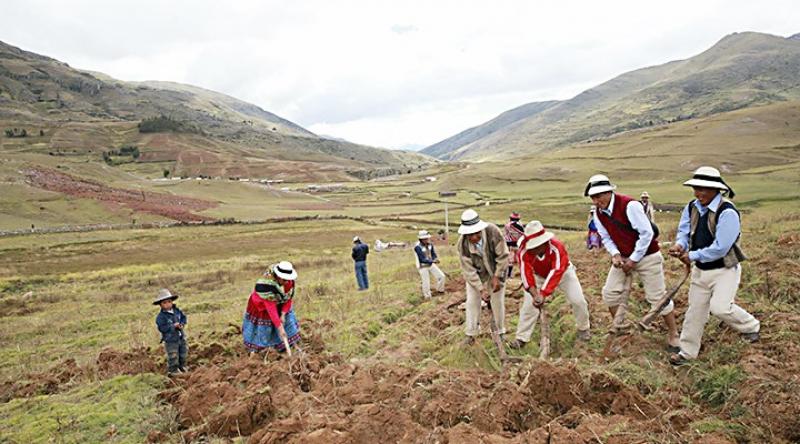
<point x="422" y="258"/>
<point x="728" y="229"/>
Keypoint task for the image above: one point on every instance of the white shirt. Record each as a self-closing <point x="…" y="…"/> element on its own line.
<point x="639" y="222"/>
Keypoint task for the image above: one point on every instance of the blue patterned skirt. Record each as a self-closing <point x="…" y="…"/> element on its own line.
<point x="260" y="334"/>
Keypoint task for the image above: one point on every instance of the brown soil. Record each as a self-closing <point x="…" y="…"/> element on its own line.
<point x="167" y="205"/>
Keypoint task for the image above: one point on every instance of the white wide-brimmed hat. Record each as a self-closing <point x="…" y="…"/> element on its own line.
<point x="535" y="235"/>
<point x="356" y="238"/>
<point x="645" y="194"/>
<point x="164" y="295"/>
<point x="471" y="222"/>
<point x="423" y="234"/>
<point x="284" y="270"/>
<point x="709" y="177"/>
<point x="598" y="184"/>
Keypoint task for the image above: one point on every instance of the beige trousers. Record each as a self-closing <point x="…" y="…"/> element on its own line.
<point x="498" y="300"/>
<point x="571" y="286"/>
<point x="425" y="274"/>
<point x="712" y="291"/>
<point x="651" y="272"/>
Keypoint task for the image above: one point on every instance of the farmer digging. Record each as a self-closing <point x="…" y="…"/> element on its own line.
<point x="483" y="253"/>
<point x="269" y="320"/>
<point x="629" y="238"/>
<point x="708" y="236"/>
<point x="544" y="267"/>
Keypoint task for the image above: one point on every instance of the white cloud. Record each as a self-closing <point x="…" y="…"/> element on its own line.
<point x="380" y="72"/>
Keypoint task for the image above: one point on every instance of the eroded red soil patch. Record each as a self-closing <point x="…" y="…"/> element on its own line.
<point x="170" y="206"/>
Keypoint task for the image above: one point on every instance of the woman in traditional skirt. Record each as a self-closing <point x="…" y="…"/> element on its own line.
<point x="269" y="318"/>
<point x="593" y="237"/>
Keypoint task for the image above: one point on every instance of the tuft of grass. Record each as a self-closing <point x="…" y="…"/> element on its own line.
<point x="709" y="425"/>
<point x="87" y="413"/>
<point x="719" y="385"/>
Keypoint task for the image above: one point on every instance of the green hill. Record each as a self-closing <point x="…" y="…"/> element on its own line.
<point x="742" y="70"/>
<point x="97" y="112"/>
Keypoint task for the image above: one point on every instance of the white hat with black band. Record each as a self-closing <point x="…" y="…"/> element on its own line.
<point x="709" y="177"/>
<point x="471" y="223"/>
<point x="598" y="184"/>
<point x="284" y="270"/>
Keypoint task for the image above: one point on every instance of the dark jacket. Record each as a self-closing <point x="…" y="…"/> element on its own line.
<point x="360" y="252"/>
<point x="422" y="258"/>
<point x="166" y="325"/>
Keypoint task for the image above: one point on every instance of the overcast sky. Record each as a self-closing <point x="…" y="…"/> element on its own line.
<point x="383" y="73"/>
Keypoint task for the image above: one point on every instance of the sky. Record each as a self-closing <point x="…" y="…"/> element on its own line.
<point x="384" y="73"/>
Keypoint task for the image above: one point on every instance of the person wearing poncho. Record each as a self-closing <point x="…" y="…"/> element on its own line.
<point x="269" y="317"/>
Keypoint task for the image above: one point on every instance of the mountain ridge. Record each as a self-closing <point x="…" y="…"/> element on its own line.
<point x="40" y="91"/>
<point x="740" y="70"/>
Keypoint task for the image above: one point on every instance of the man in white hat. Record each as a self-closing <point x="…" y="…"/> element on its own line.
<point x="647" y="205"/>
<point x="426" y="259"/>
<point x="629" y="238"/>
<point x="544" y="266"/>
<point x="359" y="255"/>
<point x="483" y="253"/>
<point x="708" y="236"/>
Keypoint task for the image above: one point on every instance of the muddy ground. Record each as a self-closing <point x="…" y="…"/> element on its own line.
<point x="319" y="397"/>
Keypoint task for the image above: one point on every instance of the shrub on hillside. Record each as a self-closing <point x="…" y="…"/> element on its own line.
<point x="164" y="123"/>
<point x="16" y="132"/>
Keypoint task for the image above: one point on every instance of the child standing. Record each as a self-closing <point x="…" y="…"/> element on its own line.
<point x="171" y="321"/>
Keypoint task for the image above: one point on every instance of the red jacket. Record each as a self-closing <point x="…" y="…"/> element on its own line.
<point x="551" y="267"/>
<point x="263" y="308"/>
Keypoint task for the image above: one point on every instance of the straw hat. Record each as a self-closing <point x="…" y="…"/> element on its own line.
<point x="423" y="234"/>
<point x="284" y="270"/>
<point x="709" y="177"/>
<point x="514" y="216"/>
<point x="645" y="194"/>
<point x="164" y="295"/>
<point x="536" y="235"/>
<point x="598" y="184"/>
<point x="471" y="222"/>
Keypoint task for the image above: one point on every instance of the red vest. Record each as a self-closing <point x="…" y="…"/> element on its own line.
<point x="620" y="229"/>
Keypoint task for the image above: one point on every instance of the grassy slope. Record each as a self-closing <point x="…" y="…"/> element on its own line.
<point x="742" y="70"/>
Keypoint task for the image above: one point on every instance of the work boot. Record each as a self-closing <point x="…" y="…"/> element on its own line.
<point x="469" y="341"/>
<point x="516" y="344"/>
<point x="751" y="337"/>
<point x="584" y="335"/>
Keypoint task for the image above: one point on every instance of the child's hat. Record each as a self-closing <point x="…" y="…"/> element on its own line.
<point x="163" y="295"/>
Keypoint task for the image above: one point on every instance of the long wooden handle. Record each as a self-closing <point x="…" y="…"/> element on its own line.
<point x="286" y="344"/>
<point x="664" y="301"/>
<point x="544" y="340"/>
